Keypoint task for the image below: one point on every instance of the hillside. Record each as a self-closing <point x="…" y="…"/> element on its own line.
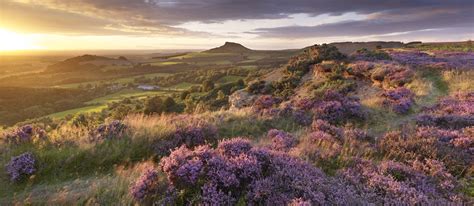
<point x="87" y="62"/>
<point x="382" y="126"/>
<point x="230" y="47"/>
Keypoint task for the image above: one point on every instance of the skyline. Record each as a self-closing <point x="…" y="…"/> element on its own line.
<point x="264" y="24"/>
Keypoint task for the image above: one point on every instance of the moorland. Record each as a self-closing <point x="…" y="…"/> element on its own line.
<point x="346" y="123"/>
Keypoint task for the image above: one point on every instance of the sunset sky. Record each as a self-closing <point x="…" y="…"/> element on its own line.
<point x="196" y="24"/>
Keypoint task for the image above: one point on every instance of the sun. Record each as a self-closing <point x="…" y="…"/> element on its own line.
<point x="11" y="41"/>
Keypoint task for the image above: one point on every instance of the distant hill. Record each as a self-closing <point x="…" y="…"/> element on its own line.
<point x="230" y="47"/>
<point x="89" y="62"/>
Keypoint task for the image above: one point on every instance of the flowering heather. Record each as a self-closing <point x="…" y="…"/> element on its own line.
<point x="113" y="130"/>
<point x="281" y="141"/>
<point x="335" y="108"/>
<point x="188" y="131"/>
<point x="236" y="170"/>
<point x="455" y="112"/>
<point x="360" y="69"/>
<point x="146" y="185"/>
<point x="391" y="74"/>
<point x="399" y="100"/>
<point x="302" y="117"/>
<point x="264" y="102"/>
<point x="395" y="183"/>
<point x="21" y="166"/>
<point x="437" y="59"/>
<point x="24" y="134"/>
<point x="453" y="148"/>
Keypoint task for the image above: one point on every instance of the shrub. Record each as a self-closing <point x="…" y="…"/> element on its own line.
<point x="195" y="134"/>
<point x="361" y="69"/>
<point x="399" y="100"/>
<point x="237" y="171"/>
<point x="336" y="108"/>
<point x="281" y="141"/>
<point x="257" y="87"/>
<point x="453" y="112"/>
<point x="264" y="102"/>
<point x="370" y="55"/>
<point x="391" y="74"/>
<point x="146" y="185"/>
<point x="430" y="143"/>
<point x="395" y="183"/>
<point x="113" y="130"/>
<point x="21" y="166"/>
<point x="23" y="134"/>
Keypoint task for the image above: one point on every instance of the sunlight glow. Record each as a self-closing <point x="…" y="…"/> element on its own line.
<point x="11" y="41"/>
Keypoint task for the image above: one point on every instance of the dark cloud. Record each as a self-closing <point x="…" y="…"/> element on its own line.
<point x="159" y="16"/>
<point x="381" y="23"/>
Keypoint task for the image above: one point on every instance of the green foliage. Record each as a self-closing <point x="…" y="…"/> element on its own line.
<point x="154" y="105"/>
<point x="207" y="85"/>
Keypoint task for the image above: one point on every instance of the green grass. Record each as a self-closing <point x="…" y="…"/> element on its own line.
<point x="165" y="63"/>
<point x="228" y="79"/>
<point x="81" y="110"/>
<point x="182" y="86"/>
<point x="98" y="104"/>
<point x="119" y="80"/>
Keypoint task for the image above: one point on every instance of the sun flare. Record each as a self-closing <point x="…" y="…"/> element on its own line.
<point x="11" y="41"/>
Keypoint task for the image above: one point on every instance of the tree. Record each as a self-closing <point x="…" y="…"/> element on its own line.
<point x="169" y="105"/>
<point x="154" y="105"/>
<point x="120" y="112"/>
<point x="220" y="95"/>
<point x="184" y="95"/>
<point x="207" y="85"/>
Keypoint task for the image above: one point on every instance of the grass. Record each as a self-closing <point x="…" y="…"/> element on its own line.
<point x="182" y="86"/>
<point x="86" y="109"/>
<point x="119" y="80"/>
<point x="428" y="86"/>
<point x="72" y="170"/>
<point x="462" y="81"/>
<point x="165" y="63"/>
<point x="229" y="79"/>
<point x="98" y="104"/>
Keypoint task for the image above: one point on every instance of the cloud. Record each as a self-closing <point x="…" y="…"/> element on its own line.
<point x="163" y="17"/>
<point x="380" y="23"/>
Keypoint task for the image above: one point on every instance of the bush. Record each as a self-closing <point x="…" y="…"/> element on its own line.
<point x="21" y="167"/>
<point x="24" y="134"/>
<point x="146" y="185"/>
<point x="394" y="183"/>
<point x="281" y="141"/>
<point x="237" y="171"/>
<point x="447" y="146"/>
<point x="370" y="55"/>
<point x="453" y="112"/>
<point x="189" y="131"/>
<point x="399" y="100"/>
<point x="336" y="108"/>
<point x="113" y="130"/>
<point x="264" y="102"/>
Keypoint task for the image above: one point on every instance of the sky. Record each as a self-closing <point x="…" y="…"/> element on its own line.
<point x="200" y="24"/>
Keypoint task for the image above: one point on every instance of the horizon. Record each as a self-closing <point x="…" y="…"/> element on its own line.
<point x="50" y="25"/>
<point x="115" y="52"/>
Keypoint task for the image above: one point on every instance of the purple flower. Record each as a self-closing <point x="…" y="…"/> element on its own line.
<point x="281" y="141"/>
<point x="21" y="166"/>
<point x="146" y="185"/>
<point x="399" y="100"/>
